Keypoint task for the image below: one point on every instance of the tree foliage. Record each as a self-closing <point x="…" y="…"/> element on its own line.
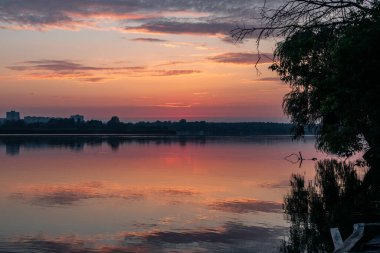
<point x="330" y="57"/>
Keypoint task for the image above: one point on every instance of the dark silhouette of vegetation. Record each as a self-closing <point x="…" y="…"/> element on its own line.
<point x="330" y="58"/>
<point x="115" y="126"/>
<point x="114" y="122"/>
<point x="333" y="75"/>
<point x="294" y="16"/>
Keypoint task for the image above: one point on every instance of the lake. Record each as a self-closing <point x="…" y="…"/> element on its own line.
<point x="146" y="194"/>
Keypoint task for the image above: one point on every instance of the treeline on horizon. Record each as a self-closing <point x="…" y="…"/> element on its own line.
<point x="115" y="126"/>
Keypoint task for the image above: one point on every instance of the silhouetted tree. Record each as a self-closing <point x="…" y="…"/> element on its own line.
<point x="330" y="58"/>
<point x="334" y="81"/>
<point x="114" y="121"/>
<point x="94" y="124"/>
<point x="293" y="16"/>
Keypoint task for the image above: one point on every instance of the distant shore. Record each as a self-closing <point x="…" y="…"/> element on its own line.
<point x="161" y="128"/>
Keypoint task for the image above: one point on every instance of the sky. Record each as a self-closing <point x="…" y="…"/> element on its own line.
<point x="138" y="59"/>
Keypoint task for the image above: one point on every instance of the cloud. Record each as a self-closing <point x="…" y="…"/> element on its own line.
<point x="175" y="105"/>
<point x="175" y="72"/>
<point x="230" y="40"/>
<point x="175" y="44"/>
<point x="269" y="79"/>
<point x="165" y="16"/>
<point x="246" y="206"/>
<point x="276" y="185"/>
<point x="177" y="27"/>
<point x="242" y="58"/>
<point x="200" y="93"/>
<point x="154" y="40"/>
<point x="96" y="79"/>
<point x="172" y="63"/>
<point x="197" y="46"/>
<point x="66" y="66"/>
<point x="65" y="69"/>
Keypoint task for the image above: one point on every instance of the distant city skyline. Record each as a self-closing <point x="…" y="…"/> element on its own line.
<point x="67" y="113"/>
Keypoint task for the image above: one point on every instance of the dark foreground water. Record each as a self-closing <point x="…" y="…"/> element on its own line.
<point x="146" y="194"/>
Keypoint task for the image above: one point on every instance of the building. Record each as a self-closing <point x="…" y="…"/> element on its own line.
<point x="2" y="120"/>
<point x="13" y="116"/>
<point x="77" y="118"/>
<point x="34" y="119"/>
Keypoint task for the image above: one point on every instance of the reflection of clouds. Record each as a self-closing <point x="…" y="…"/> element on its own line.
<point x="69" y="244"/>
<point x="230" y="237"/>
<point x="61" y="195"/>
<point x="70" y="194"/>
<point x="56" y="195"/>
<point x="229" y="233"/>
<point x="176" y="195"/>
<point x="42" y="244"/>
<point x="166" y="220"/>
<point x="246" y="206"/>
<point x="179" y="192"/>
<point x="227" y="238"/>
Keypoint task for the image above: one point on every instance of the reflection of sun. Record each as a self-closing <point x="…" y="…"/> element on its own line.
<point x="172" y="160"/>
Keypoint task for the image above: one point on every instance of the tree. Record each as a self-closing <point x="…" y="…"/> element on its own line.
<point x="114" y="121"/>
<point x="330" y="58"/>
<point x="298" y="15"/>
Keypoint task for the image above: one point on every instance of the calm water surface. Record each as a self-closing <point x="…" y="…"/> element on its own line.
<point x="109" y="194"/>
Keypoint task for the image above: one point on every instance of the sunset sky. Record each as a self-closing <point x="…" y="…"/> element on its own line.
<point x="138" y="59"/>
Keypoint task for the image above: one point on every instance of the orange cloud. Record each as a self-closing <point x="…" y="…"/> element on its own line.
<point x="177" y="27"/>
<point x="175" y="72"/>
<point x="209" y="17"/>
<point x="63" y="69"/>
<point x="175" y="105"/>
<point x="242" y="58"/>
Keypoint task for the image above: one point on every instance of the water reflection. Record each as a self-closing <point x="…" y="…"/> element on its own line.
<point x="12" y="149"/>
<point x="339" y="196"/>
<point x="13" y="144"/>
<point x="78" y="143"/>
<point x="231" y="237"/>
<point x="145" y="194"/>
<point x="65" y="195"/>
<point x="247" y="206"/>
